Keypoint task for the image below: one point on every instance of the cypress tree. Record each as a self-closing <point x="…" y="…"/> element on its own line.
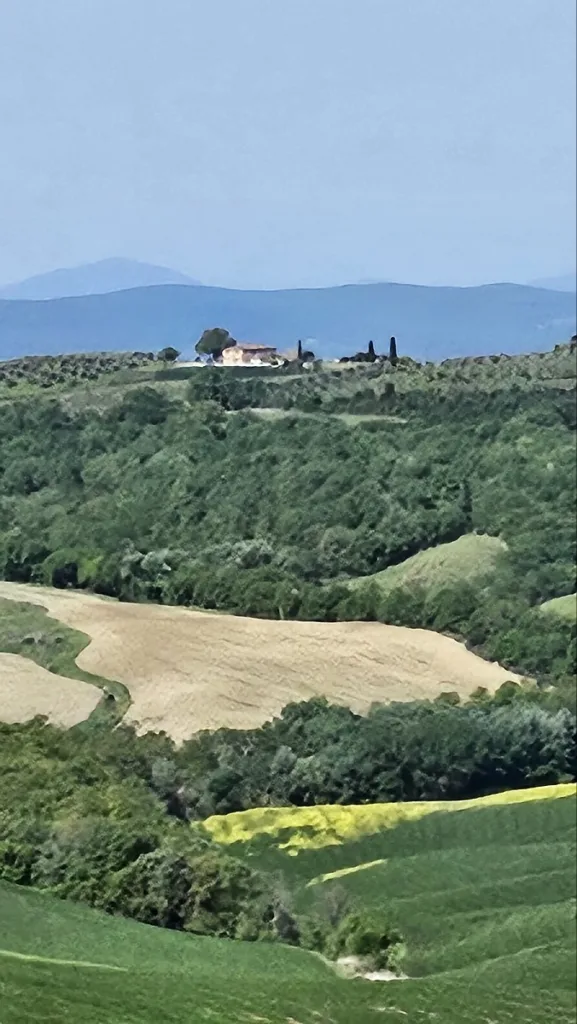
<point x="393" y="350"/>
<point x="371" y="350"/>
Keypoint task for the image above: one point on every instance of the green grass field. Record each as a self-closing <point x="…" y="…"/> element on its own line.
<point x="564" y="607"/>
<point x="469" y="558"/>
<point x="484" y="899"/>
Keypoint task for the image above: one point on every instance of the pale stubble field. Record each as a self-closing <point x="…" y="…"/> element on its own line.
<point x="188" y="670"/>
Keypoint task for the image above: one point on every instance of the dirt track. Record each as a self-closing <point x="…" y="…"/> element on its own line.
<point x="27" y="689"/>
<point x="190" y="670"/>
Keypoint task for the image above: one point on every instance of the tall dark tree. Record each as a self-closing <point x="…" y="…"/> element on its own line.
<point x="371" y="351"/>
<point x="300" y="351"/>
<point x="393" y="350"/>
<point x="214" y="341"/>
<point x="168" y="354"/>
<point x="467" y="503"/>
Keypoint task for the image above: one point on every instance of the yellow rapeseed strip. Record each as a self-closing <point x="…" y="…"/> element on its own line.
<point x="299" y="828"/>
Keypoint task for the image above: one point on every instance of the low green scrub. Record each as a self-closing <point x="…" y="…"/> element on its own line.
<point x="48" y="372"/>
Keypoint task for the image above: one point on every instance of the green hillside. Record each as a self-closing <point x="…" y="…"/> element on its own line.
<point x="562" y="607"/>
<point x="484" y="900"/>
<point x="398" y="473"/>
<point x="468" y="559"/>
<point x="156" y="975"/>
<point x="117" y="479"/>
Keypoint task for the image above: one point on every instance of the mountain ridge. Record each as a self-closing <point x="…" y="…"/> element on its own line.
<point x="96" y="278"/>
<point x="559" y="283"/>
<point x="430" y="322"/>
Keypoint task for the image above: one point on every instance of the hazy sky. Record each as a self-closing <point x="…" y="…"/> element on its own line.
<point x="277" y="143"/>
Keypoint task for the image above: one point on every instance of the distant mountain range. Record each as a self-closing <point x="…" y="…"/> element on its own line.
<point x="429" y="323"/>
<point x="113" y="275"/>
<point x="562" y="283"/>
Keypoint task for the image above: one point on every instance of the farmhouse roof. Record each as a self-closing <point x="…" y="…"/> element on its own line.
<point x="252" y="346"/>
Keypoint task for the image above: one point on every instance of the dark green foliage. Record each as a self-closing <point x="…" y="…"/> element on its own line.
<point x="168" y="354"/>
<point x="358" y="935"/>
<point x="51" y="371"/>
<point x="89" y="816"/>
<point x="317" y="753"/>
<point x="214" y="341"/>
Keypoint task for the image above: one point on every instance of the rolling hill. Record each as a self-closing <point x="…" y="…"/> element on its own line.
<point x="564" y="607"/>
<point x="294" y="830"/>
<point x="483" y="899"/>
<point x="429" y="323"/>
<point x="469" y="558"/>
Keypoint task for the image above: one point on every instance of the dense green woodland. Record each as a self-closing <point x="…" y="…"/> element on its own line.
<point x="185" y="501"/>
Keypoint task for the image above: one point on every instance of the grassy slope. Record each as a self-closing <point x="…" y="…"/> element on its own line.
<point x="483" y="898"/>
<point x="564" y="607"/>
<point x="167" y="976"/>
<point x="469" y="558"/>
<point x="27" y="630"/>
<point x="464" y="889"/>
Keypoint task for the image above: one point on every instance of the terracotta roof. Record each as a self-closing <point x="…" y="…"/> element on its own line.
<point x="251" y="346"/>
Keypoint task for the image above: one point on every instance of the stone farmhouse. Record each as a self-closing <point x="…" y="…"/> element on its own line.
<point x="248" y="353"/>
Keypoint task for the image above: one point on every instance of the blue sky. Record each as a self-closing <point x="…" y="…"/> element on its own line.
<point x="271" y="143"/>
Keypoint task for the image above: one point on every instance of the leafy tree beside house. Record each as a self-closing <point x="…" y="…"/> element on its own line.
<point x="168" y="354"/>
<point x="213" y="342"/>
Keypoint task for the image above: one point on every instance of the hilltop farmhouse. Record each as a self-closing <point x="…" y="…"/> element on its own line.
<point x="245" y="352"/>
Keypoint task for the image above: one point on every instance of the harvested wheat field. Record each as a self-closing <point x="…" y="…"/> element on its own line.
<point x="27" y="689"/>
<point x="189" y="670"/>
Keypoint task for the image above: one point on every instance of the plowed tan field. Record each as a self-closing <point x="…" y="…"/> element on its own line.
<point x="27" y="690"/>
<point x="189" y="670"/>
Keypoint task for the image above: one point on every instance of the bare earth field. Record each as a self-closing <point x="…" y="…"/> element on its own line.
<point x="189" y="670"/>
<point x="27" y="689"/>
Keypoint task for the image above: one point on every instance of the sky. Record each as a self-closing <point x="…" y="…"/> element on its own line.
<point x="288" y="143"/>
